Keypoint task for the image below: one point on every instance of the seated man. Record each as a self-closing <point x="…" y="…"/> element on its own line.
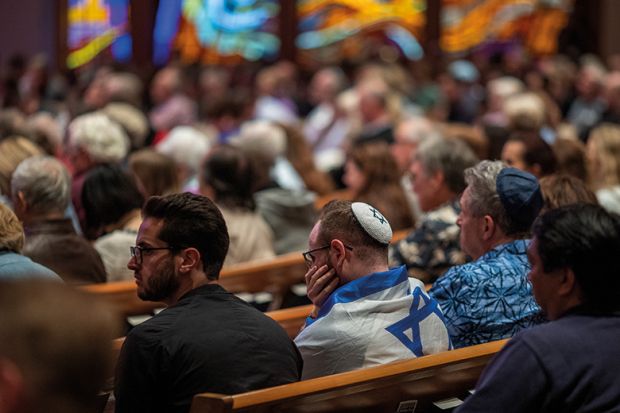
<point x="14" y="265"/>
<point x="55" y="347"/>
<point x="364" y="314"/>
<point x="41" y="192"/>
<point x="437" y="179"/>
<point x="570" y="364"/>
<point x="490" y="299"/>
<point x="207" y="340"/>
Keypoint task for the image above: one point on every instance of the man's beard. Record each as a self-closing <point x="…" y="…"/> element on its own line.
<point x="162" y="285"/>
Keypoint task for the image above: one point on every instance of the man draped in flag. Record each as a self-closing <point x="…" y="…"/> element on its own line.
<point x="364" y="313"/>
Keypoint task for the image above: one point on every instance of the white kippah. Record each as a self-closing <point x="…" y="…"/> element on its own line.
<point x="373" y="222"/>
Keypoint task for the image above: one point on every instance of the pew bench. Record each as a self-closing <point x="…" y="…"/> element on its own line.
<point x="275" y="275"/>
<point x="404" y="386"/>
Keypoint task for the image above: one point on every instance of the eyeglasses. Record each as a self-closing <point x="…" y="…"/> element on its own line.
<point x="137" y="251"/>
<point x="309" y="258"/>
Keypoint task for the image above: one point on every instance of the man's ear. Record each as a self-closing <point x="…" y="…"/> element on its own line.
<point x="11" y="386"/>
<point x="21" y="205"/>
<point x="338" y="253"/>
<point x="488" y="227"/>
<point x="190" y="260"/>
<point x="437" y="180"/>
<point x="567" y="284"/>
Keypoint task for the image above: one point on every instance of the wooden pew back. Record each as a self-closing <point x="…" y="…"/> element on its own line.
<point x="420" y="381"/>
<point x="275" y="275"/>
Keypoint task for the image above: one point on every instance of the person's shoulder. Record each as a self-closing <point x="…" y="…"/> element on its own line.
<point x="14" y="266"/>
<point x="571" y="336"/>
<point x="467" y="270"/>
<point x="460" y="279"/>
<point x="508" y="259"/>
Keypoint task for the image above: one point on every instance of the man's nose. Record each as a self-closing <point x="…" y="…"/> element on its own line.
<point x="132" y="264"/>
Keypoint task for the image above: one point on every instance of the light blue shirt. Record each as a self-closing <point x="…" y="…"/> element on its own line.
<point x="15" y="266"/>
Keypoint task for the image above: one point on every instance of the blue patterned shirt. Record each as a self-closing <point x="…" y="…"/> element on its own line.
<point x="490" y="298"/>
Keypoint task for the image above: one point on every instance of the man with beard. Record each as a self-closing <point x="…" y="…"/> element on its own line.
<point x="207" y="340"/>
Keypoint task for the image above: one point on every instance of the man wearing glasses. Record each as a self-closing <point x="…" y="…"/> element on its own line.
<point x="365" y="314"/>
<point x="207" y="340"/>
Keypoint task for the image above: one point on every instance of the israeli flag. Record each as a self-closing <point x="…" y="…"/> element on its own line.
<point x="376" y="319"/>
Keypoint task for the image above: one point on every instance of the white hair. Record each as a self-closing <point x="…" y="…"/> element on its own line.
<point x="187" y="146"/>
<point x="131" y="119"/>
<point x="525" y="110"/>
<point x="261" y="137"/>
<point x="103" y="139"/>
<point x="505" y="86"/>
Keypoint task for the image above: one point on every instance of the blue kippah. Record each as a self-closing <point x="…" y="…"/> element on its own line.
<point x="520" y="195"/>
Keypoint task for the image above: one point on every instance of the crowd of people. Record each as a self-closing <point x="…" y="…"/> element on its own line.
<point x="506" y="178"/>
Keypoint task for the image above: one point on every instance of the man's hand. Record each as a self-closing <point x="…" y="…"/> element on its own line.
<point x="320" y="282"/>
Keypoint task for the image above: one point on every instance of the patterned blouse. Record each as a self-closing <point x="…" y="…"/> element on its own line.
<point x="431" y="248"/>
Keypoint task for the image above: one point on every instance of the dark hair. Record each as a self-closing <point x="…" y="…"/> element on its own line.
<point x="339" y="222"/>
<point x="108" y="194"/>
<point x="192" y="221"/>
<point x="586" y="239"/>
<point x="537" y="152"/>
<point x="227" y="171"/>
<point x="560" y="190"/>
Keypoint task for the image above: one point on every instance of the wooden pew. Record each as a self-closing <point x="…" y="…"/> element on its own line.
<point x="420" y="381"/>
<point x="274" y="275"/>
<point x="291" y="319"/>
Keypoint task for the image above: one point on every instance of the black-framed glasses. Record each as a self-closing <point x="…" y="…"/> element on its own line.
<point x="137" y="251"/>
<point x="309" y="258"/>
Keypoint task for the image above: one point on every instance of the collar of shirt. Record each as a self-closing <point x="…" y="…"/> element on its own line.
<point x="516" y="247"/>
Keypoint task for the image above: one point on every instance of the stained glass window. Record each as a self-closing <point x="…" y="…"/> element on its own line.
<point x="536" y="24"/>
<point x="330" y="31"/>
<point x="97" y="28"/>
<point x="216" y="31"/>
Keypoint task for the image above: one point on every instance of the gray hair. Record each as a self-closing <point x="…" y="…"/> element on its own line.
<point x="448" y="156"/>
<point x="187" y="146"/>
<point x="416" y="129"/>
<point x="103" y="139"/>
<point x="484" y="199"/>
<point x="44" y="182"/>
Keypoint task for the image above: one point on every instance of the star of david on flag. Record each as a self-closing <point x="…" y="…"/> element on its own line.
<point x="412" y="322"/>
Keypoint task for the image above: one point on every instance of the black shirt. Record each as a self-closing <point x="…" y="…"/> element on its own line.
<point x="210" y="341"/>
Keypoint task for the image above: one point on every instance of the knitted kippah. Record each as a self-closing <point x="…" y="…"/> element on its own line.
<point x="520" y="195"/>
<point x="373" y="222"/>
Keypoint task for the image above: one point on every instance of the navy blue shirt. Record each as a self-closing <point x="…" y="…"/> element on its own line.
<point x="568" y="365"/>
